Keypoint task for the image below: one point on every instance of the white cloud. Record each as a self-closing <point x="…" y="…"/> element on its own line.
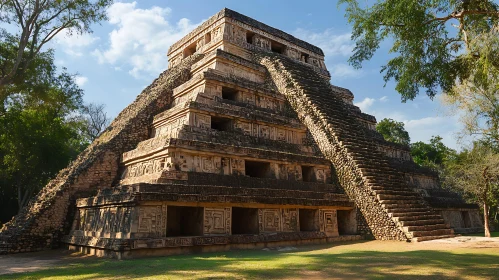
<point x="141" y="38"/>
<point x="74" y="44"/>
<point x="365" y="104"/>
<point x="423" y="129"/>
<point x="81" y="80"/>
<point x="425" y="122"/>
<point x="59" y="62"/>
<point x="341" y="71"/>
<point x="331" y="43"/>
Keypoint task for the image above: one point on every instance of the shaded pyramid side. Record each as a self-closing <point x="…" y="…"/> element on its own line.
<point x="393" y="210"/>
<point x="45" y="220"/>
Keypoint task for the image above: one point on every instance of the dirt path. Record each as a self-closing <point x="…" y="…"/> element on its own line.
<point x="27" y="262"/>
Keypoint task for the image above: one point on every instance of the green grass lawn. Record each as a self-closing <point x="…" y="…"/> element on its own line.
<point x="492" y="234"/>
<point x="363" y="259"/>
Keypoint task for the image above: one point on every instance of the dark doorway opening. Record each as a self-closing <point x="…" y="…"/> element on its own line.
<point x="244" y="220"/>
<point x="309" y="219"/>
<point x="259" y="169"/>
<point x="347" y="222"/>
<point x="466" y="219"/>
<point x="229" y="93"/>
<point x="190" y="50"/>
<point x="249" y="37"/>
<point x="304" y="57"/>
<point x="184" y="221"/>
<point x="308" y="173"/>
<point x="221" y="124"/>
<point x="277" y="47"/>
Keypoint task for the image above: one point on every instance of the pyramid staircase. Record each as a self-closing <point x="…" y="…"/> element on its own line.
<point x="388" y="203"/>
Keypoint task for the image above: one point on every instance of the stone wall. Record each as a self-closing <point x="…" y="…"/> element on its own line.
<point x="44" y="221"/>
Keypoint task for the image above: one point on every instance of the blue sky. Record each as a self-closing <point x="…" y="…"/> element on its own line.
<point x="125" y="53"/>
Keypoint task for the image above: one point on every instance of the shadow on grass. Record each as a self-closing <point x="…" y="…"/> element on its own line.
<point x="281" y="265"/>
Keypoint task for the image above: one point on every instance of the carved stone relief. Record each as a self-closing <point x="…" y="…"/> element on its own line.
<point x="235" y="33"/>
<point x="225" y="165"/>
<point x="264" y="132"/>
<point x="269" y="220"/>
<point x="328" y="222"/>
<point x="106" y="219"/>
<point x="144" y="168"/>
<point x="314" y="61"/>
<point x="244" y="126"/>
<point x="203" y="121"/>
<point x="290" y="220"/>
<point x="216" y="32"/>
<point x="293" y="53"/>
<point x="320" y="175"/>
<point x="217" y="220"/>
<point x="261" y="42"/>
<point x="237" y="166"/>
<point x="150" y="220"/>
<point x="249" y="98"/>
<point x="281" y="134"/>
<point x="200" y="43"/>
<point x="171" y="127"/>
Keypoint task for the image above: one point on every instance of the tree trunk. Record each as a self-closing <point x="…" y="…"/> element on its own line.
<point x="19" y="198"/>
<point x="486" y="219"/>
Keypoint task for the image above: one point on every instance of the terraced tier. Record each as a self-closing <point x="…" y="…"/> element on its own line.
<point x="392" y="209"/>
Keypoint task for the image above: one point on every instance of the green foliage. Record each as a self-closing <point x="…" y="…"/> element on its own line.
<point x="37" y="77"/>
<point x="36" y="23"/>
<point x="434" y="43"/>
<point x="476" y="99"/>
<point x="393" y="131"/>
<point x="433" y="154"/>
<point x="38" y="136"/>
<point x="475" y="174"/>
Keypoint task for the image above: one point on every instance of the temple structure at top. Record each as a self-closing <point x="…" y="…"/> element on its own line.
<point x="241" y="143"/>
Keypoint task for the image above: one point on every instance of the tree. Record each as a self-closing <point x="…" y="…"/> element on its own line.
<point x="476" y="99"/>
<point x="435" y="43"/>
<point x="475" y="173"/>
<point x="37" y="22"/>
<point x="433" y="154"/>
<point x="393" y="131"/>
<point x="95" y="120"/>
<point x="38" y="137"/>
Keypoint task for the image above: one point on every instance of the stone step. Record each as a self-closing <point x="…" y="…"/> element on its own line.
<point x="395" y="192"/>
<point x="395" y="188"/>
<point x="401" y="205"/>
<point x="392" y="199"/>
<point x="397" y="212"/>
<point x="421" y="222"/>
<point x="406" y="217"/>
<point x="427" y="238"/>
<point x="429" y="227"/>
<point x="436" y="232"/>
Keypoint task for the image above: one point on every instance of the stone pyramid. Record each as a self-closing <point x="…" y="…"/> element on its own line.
<point x="241" y="143"/>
